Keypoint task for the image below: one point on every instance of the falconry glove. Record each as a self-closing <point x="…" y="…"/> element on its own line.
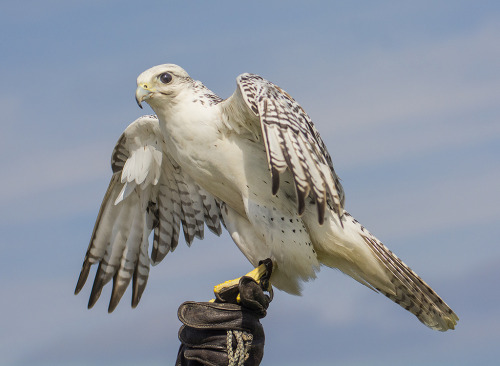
<point x="226" y="331"/>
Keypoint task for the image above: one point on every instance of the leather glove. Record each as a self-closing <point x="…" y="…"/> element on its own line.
<point x="224" y="332"/>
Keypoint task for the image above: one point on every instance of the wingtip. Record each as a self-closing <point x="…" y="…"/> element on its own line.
<point x="78" y="288"/>
<point x="84" y="273"/>
<point x="301" y="202"/>
<point x="120" y="284"/>
<point x="94" y="296"/>
<point x="275" y="177"/>
<point x="138" y="287"/>
<point x="112" y="305"/>
<point x="136" y="297"/>
<point x="321" y="207"/>
<point x="96" y="287"/>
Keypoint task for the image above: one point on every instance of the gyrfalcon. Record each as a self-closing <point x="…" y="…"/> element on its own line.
<point x="254" y="163"/>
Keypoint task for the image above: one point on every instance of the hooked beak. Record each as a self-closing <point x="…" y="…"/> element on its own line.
<point x="143" y="92"/>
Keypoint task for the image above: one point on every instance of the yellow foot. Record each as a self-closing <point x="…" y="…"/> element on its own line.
<point x="260" y="274"/>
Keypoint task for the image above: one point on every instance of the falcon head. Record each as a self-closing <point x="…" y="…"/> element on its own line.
<point x="160" y="84"/>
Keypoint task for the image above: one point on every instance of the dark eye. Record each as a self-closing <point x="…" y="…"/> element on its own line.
<point x="165" y="78"/>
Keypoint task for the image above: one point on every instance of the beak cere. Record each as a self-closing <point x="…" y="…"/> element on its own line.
<point x="142" y="93"/>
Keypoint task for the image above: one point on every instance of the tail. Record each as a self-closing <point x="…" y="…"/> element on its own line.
<point x="410" y="291"/>
<point x="357" y="253"/>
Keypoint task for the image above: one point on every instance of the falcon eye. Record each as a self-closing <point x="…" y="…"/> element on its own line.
<point x="165" y="78"/>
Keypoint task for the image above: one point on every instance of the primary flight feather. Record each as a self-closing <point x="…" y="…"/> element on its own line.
<point x="254" y="162"/>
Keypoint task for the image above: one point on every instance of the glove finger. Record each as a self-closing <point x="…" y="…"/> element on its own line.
<point x="206" y="357"/>
<point x="182" y="361"/>
<point x="228" y="294"/>
<point x="252" y="296"/>
<point x="255" y="355"/>
<point x="203" y="338"/>
<point x="180" y="356"/>
<point x="208" y="315"/>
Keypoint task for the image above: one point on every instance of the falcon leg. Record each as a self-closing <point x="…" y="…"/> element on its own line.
<point x="261" y="275"/>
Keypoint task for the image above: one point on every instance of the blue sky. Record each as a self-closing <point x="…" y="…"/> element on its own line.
<point x="405" y="95"/>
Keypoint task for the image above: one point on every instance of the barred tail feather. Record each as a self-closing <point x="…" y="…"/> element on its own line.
<point x="410" y="291"/>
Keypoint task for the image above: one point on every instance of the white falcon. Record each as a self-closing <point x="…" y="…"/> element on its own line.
<point x="254" y="162"/>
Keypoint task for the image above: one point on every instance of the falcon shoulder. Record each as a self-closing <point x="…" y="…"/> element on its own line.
<point x="290" y="138"/>
<point x="148" y="192"/>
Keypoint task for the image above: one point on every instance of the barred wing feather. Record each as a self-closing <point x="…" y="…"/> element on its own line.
<point x="291" y="140"/>
<point x="148" y="192"/>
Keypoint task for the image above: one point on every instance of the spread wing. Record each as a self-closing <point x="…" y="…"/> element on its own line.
<point x="147" y="192"/>
<point x="291" y="140"/>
